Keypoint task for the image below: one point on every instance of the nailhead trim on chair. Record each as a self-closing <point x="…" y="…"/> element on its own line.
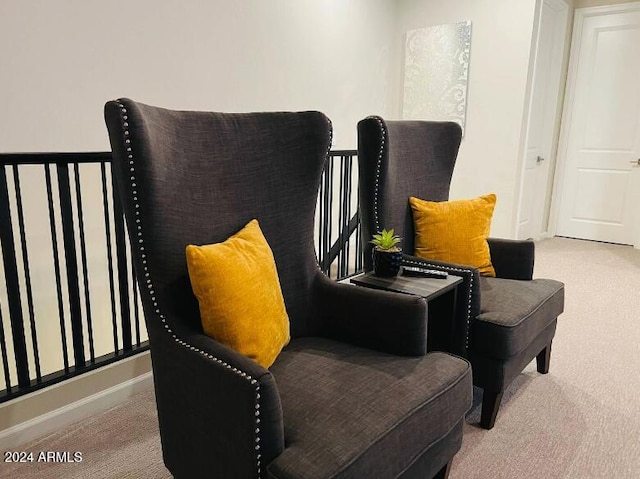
<point x="149" y="283"/>
<point x="384" y="136"/>
<point x="330" y="127"/>
<point x="383" y="132"/>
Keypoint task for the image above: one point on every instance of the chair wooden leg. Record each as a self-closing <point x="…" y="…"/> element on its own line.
<point x="543" y="359"/>
<point x="490" y="405"/>
<point x="444" y="472"/>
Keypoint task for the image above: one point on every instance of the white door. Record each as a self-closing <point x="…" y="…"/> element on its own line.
<point x="601" y="174"/>
<point x="535" y="190"/>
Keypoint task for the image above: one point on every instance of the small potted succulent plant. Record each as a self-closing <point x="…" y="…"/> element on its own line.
<point x="387" y="255"/>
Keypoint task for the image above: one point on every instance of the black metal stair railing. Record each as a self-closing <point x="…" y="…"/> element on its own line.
<point x="339" y="254"/>
<point x="83" y="312"/>
<point x="71" y="306"/>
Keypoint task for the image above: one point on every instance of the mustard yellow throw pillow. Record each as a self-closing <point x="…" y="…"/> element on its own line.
<point x="238" y="290"/>
<point x="455" y="231"/>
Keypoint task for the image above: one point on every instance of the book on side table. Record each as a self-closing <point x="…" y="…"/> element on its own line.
<point x="428" y="288"/>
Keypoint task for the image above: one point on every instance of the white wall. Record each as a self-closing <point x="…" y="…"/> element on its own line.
<point x="498" y="77"/>
<point x="62" y="59"/>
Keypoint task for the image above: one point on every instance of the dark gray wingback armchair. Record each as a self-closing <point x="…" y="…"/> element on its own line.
<point x="503" y="322"/>
<point x="353" y="394"/>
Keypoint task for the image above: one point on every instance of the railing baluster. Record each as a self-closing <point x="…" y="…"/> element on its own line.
<point x="27" y="270"/>
<point x="107" y="226"/>
<point x="347" y="201"/>
<point x="330" y="215"/>
<point x="121" y="255"/>
<point x="83" y="255"/>
<point x="359" y="244"/>
<point x="327" y="219"/>
<point x="12" y="282"/>
<point x="5" y="357"/>
<point x="341" y="194"/>
<point x="56" y="265"/>
<point x="359" y="253"/>
<point x="320" y="204"/>
<point x="345" y="237"/>
<point x="134" y="286"/>
<point x="71" y="263"/>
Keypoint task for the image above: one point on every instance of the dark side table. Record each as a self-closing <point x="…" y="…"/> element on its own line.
<point x="440" y="295"/>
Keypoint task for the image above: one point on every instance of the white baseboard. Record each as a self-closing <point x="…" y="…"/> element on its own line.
<point x="76" y="411"/>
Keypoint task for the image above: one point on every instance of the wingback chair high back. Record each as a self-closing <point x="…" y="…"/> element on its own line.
<point x="503" y="322"/>
<point x="352" y="395"/>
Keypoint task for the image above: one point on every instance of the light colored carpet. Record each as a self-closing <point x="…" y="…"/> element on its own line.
<point x="582" y="420"/>
<point x="121" y="443"/>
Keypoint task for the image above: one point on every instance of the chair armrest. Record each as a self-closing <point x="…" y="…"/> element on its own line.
<point x="468" y="298"/>
<point x="512" y="259"/>
<point x="208" y="394"/>
<point x="390" y="322"/>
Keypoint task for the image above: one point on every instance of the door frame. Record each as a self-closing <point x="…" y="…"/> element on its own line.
<point x="580" y="15"/>
<point x="562" y="8"/>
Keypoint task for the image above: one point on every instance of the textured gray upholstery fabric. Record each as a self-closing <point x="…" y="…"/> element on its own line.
<point x="432" y="463"/>
<point x="361" y="414"/>
<point x="512" y="259"/>
<point x="202" y="181"/>
<point x="419" y="163"/>
<point x="514" y="312"/>
<point x="495" y="374"/>
<point x="502" y="322"/>
<point x="197" y="178"/>
<point x="376" y="319"/>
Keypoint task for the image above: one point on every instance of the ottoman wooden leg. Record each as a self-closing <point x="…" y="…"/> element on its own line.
<point x="444" y="472"/>
<point x="543" y="359"/>
<point x="490" y="405"/>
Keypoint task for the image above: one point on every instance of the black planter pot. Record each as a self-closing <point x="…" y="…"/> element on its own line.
<point x="386" y="263"/>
